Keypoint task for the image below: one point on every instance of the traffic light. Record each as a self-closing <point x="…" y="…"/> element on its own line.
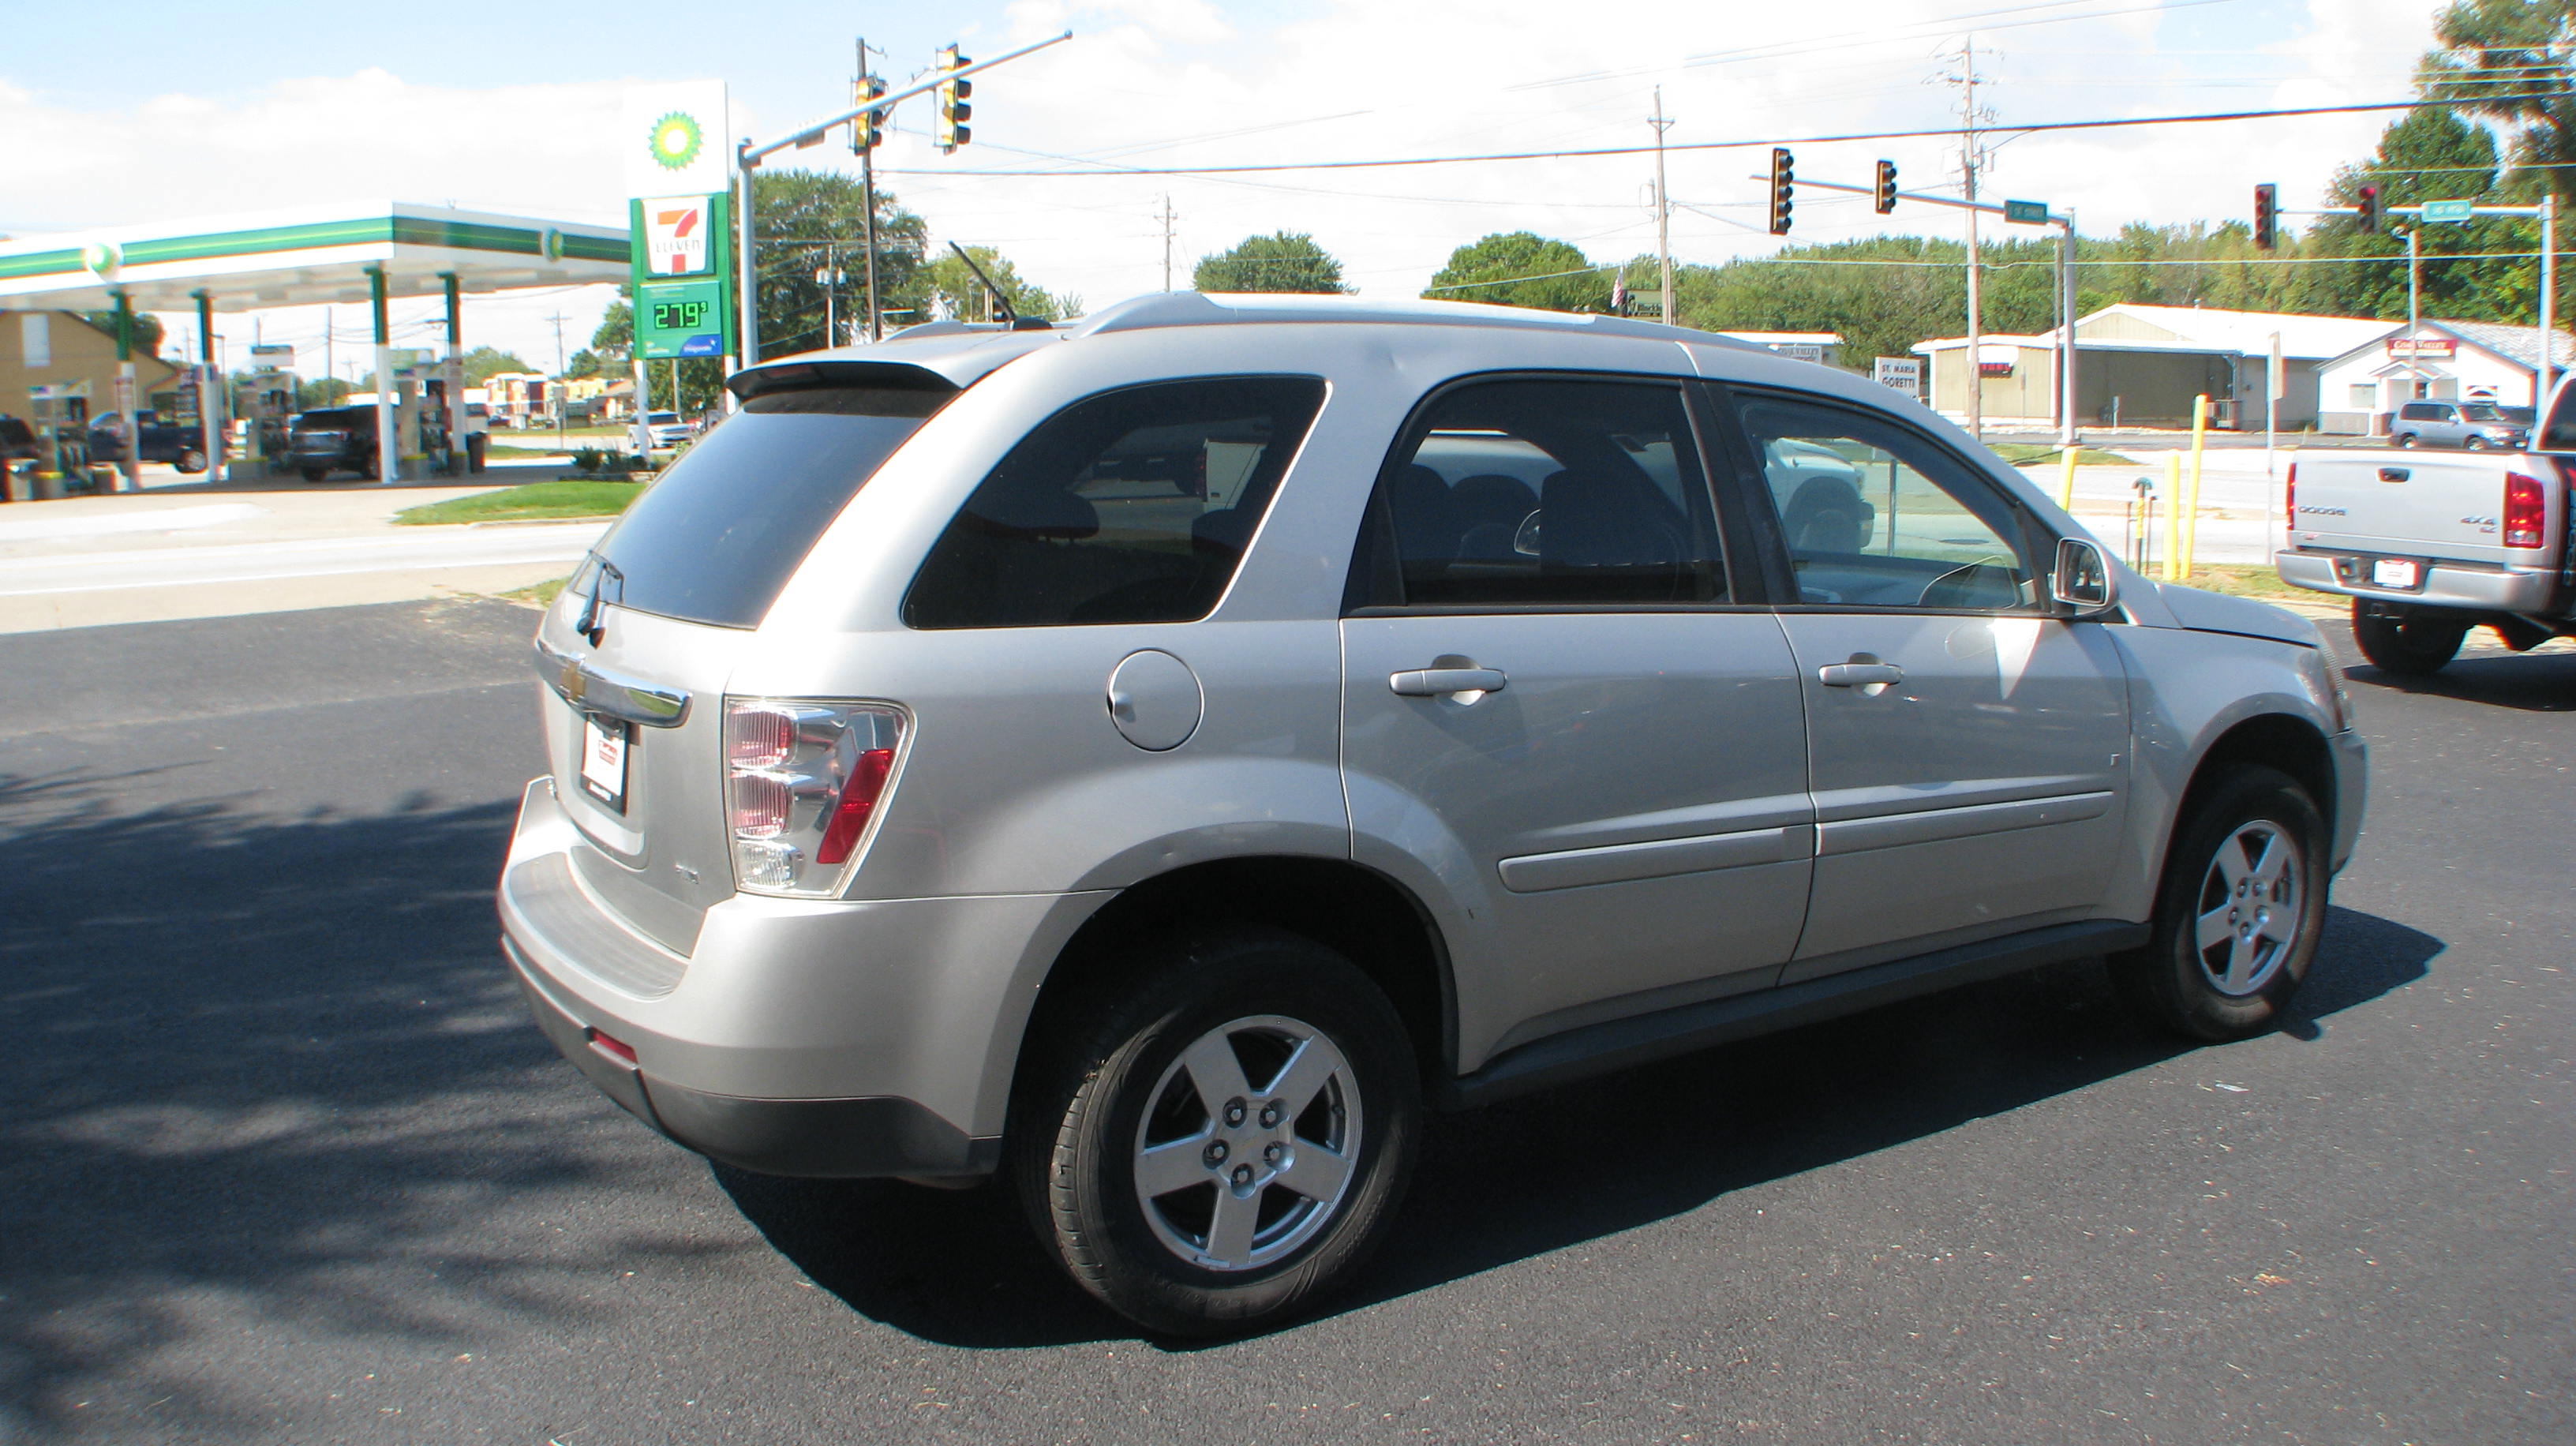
<point x="953" y="109"/>
<point x="2368" y="220"/>
<point x="1783" y="187"/>
<point x="2267" y="217"/>
<point x="1886" y="201"/>
<point x="867" y="131"/>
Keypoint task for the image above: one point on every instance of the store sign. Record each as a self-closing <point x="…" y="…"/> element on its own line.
<point x="1994" y="368"/>
<point x="676" y="231"/>
<point x="1904" y="373"/>
<point x="274" y="351"/>
<point x="2422" y="346"/>
<point x="673" y="139"/>
<point x="1805" y="351"/>
<point x="681" y="318"/>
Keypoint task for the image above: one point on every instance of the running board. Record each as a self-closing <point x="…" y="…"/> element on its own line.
<point x="1625" y="1043"/>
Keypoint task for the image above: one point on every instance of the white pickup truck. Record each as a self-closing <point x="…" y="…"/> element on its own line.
<point x="2429" y="545"/>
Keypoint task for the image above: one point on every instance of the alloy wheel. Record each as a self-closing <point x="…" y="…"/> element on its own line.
<point x="1248" y="1143"/>
<point x="2250" y="909"/>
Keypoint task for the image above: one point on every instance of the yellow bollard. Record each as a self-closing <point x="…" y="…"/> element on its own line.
<point x="2173" y="517"/>
<point x="2191" y="506"/>
<point x="2066" y="481"/>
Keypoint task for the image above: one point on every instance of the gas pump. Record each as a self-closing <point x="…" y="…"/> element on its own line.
<point x="435" y="442"/>
<point x="264" y="413"/>
<point x="60" y="416"/>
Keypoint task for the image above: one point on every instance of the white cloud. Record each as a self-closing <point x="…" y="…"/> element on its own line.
<point x="1161" y="82"/>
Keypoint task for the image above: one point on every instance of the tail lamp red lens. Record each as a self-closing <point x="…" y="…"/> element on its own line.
<point x="2526" y="511"/>
<point x="2290" y="495"/>
<point x="858" y="804"/>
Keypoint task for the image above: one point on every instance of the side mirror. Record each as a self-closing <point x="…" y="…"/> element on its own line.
<point x="2082" y="579"/>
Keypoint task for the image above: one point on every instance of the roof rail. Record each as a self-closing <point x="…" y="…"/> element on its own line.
<point x="1192" y="308"/>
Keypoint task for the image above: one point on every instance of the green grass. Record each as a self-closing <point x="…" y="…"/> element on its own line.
<point x="2249" y="581"/>
<point x="535" y="499"/>
<point x="536" y="595"/>
<point x="2027" y="454"/>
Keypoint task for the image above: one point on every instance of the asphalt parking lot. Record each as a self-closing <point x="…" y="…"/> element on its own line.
<point x="282" y="1159"/>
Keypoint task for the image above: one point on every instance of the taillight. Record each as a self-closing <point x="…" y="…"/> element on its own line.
<point x="803" y="781"/>
<point x="2526" y="511"/>
<point x="2290" y="495"/>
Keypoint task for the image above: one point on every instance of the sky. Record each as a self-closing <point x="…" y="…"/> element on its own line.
<point x="215" y="110"/>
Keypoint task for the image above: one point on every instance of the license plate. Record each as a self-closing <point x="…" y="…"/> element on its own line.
<point x="2396" y="572"/>
<point x="604" y="747"/>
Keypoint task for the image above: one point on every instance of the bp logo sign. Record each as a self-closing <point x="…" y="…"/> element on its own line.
<point x="103" y="259"/>
<point x="676" y="140"/>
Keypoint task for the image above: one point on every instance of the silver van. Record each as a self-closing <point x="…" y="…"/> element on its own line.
<point x="1156" y="758"/>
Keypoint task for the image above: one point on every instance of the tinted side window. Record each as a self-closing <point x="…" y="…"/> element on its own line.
<point x="1134" y="506"/>
<point x="1876" y="516"/>
<point x="715" y="539"/>
<point x="1547" y="492"/>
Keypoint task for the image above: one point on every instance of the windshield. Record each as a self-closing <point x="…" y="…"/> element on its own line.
<point x="661" y="419"/>
<point x="716" y="537"/>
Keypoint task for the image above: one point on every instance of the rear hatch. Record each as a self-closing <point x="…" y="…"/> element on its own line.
<point x="2417" y="504"/>
<point x="652" y="622"/>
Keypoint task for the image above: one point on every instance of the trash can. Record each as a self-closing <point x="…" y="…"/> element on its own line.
<point x="474" y="444"/>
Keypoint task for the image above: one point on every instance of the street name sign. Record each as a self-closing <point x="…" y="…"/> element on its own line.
<point x="2026" y="213"/>
<point x="2440" y="211"/>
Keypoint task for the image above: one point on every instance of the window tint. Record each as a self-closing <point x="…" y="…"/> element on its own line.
<point x="1538" y="493"/>
<point x="2421" y="412"/>
<point x="717" y="536"/>
<point x="1130" y="507"/>
<point x="1875" y="516"/>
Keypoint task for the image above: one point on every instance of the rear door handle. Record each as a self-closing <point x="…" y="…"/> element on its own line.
<point x="1859" y="675"/>
<point x="1440" y="682"/>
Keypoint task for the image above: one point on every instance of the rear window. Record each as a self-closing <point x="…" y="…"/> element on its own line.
<point x="334" y="419"/>
<point x="715" y="539"/>
<point x="1129" y="507"/>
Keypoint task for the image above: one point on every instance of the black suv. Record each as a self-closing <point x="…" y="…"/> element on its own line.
<point x="334" y="439"/>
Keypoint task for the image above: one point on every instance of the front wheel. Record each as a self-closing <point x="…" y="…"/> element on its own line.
<point x="1228" y="1140"/>
<point x="2406" y="439"/>
<point x="2238" y="914"/>
<point x="2475" y="444"/>
<point x="2411" y="644"/>
<point x="316" y="474"/>
<point x="192" y="461"/>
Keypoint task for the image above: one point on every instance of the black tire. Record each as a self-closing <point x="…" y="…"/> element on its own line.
<point x="2406" y="439"/>
<point x="2173" y="979"/>
<point x="1081" y="1120"/>
<point x="191" y="461"/>
<point x="2475" y="444"/>
<point x="2413" y="645"/>
<point x="316" y="474"/>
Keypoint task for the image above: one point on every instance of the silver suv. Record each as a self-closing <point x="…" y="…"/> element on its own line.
<point x="1157" y="758"/>
<point x="2477" y="426"/>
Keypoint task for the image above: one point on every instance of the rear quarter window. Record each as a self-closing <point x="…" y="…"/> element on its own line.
<point x="1133" y="506"/>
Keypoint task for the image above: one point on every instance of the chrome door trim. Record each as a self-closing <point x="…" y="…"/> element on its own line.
<point x="593" y="689"/>
<point x="1656" y="858"/>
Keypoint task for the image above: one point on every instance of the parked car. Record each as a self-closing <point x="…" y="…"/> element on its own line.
<point x="333" y="439"/>
<point x="2477" y="426"/>
<point x="1154" y="760"/>
<point x="18" y="441"/>
<point x="181" y="444"/>
<point x="668" y="429"/>
<point x="2428" y="548"/>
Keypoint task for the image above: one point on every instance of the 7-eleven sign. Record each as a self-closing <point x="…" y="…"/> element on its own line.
<point x="676" y="232"/>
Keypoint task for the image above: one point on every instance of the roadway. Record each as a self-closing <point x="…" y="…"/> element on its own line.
<point x="282" y="1158"/>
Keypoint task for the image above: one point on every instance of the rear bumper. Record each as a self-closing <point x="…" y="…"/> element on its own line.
<point x="2494" y="590"/>
<point x="868" y="1136"/>
<point x="799" y="1037"/>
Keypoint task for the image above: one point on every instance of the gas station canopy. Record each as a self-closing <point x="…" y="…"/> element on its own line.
<point x="306" y="257"/>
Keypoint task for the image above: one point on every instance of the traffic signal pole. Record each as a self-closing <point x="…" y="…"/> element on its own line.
<point x="2545" y="369"/>
<point x="2065" y="224"/>
<point x="749" y="154"/>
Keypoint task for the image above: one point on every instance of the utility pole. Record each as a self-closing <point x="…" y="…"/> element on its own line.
<point x="1663" y="206"/>
<point x="868" y="198"/>
<point x="558" y="320"/>
<point x="1167" y="240"/>
<point x="1969" y="161"/>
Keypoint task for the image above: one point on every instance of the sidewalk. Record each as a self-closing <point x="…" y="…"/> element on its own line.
<point x="184" y="548"/>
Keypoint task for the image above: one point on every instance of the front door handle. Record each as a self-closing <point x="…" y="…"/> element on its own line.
<point x="1859" y="675"/>
<point x="1441" y="682"/>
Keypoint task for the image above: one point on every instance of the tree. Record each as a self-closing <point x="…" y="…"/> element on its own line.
<point x="2513" y="61"/>
<point x="314" y="392"/>
<point x="2429" y="155"/>
<point x="147" y="329"/>
<point x="951" y="287"/>
<point x="810" y="221"/>
<point x="1521" y="268"/>
<point x="483" y="362"/>
<point x="584" y="363"/>
<point x="1283" y="261"/>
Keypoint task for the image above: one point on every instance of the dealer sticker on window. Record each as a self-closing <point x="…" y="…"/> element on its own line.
<point x="2395" y="572"/>
<point x="603" y="760"/>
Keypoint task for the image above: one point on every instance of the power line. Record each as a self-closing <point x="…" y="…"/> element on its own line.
<point x="1944" y="132"/>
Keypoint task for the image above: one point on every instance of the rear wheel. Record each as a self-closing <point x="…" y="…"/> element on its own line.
<point x="2475" y="443"/>
<point x="2405" y="439"/>
<point x="316" y="474"/>
<point x="1229" y="1139"/>
<point x="2238" y="914"/>
<point x="2413" y="644"/>
<point x="192" y="461"/>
